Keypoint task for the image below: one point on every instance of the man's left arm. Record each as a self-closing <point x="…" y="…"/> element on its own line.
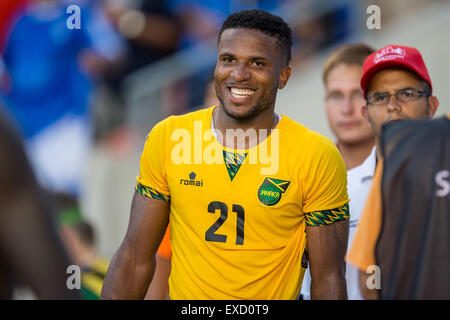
<point x="327" y="246"/>
<point x="327" y="213"/>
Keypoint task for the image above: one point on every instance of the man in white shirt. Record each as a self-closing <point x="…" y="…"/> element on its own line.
<point x="344" y="100"/>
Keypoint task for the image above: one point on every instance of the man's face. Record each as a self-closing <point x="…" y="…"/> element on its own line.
<point x="343" y="103"/>
<point x="250" y="69"/>
<point x="391" y="80"/>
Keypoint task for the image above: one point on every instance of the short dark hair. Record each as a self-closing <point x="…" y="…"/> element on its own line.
<point x="263" y="21"/>
<point x="347" y="54"/>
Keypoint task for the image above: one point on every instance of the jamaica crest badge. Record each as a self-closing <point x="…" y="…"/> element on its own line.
<point x="271" y="190"/>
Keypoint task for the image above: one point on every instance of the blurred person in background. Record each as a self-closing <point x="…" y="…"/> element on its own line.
<point x="397" y="86"/>
<point x="31" y="252"/>
<point x="319" y="31"/>
<point x="52" y="71"/>
<point x="344" y="101"/>
<point x="151" y="32"/>
<point x="79" y="238"/>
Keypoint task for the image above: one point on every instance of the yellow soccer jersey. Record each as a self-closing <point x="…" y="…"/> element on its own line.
<point x="237" y="217"/>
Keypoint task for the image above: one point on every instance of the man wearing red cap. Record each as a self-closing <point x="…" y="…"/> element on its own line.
<point x="396" y="86"/>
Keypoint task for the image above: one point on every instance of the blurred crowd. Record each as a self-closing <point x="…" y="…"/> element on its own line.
<point x="50" y="68"/>
<point x="56" y="54"/>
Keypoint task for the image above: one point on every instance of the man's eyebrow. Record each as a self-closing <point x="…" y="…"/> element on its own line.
<point x="226" y="54"/>
<point x="252" y="58"/>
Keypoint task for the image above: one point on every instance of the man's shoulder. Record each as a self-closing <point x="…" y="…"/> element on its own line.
<point x="184" y="121"/>
<point x="303" y="133"/>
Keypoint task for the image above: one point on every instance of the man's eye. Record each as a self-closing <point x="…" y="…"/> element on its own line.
<point x="227" y="59"/>
<point x="258" y="63"/>
<point x="335" y="96"/>
<point x="377" y="97"/>
<point x="407" y="93"/>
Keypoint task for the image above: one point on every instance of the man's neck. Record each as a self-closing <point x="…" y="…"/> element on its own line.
<point x="232" y="130"/>
<point x="355" y="154"/>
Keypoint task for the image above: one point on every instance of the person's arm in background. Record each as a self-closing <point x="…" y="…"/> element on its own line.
<point x="102" y="49"/>
<point x="29" y="243"/>
<point x="133" y="265"/>
<point x="159" y="287"/>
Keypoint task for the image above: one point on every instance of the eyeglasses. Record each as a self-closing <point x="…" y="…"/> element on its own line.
<point x="402" y="95"/>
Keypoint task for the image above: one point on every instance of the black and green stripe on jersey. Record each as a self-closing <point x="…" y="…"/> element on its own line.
<point x="326" y="217"/>
<point x="151" y="193"/>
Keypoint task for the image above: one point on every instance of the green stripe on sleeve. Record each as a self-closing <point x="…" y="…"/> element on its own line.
<point x="326" y="217"/>
<point x="151" y="193"/>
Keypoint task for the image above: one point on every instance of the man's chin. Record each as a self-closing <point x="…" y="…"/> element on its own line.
<point x="240" y="112"/>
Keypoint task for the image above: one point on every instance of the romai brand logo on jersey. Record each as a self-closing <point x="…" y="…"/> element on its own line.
<point x="191" y="181"/>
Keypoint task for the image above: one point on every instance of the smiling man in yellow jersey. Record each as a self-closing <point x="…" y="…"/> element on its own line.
<point x="247" y="191"/>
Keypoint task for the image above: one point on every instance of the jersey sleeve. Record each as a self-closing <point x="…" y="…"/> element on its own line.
<point x="325" y="198"/>
<point x="152" y="179"/>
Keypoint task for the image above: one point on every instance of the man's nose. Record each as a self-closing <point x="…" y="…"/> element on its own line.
<point x="347" y="105"/>
<point x="240" y="72"/>
<point x="393" y="105"/>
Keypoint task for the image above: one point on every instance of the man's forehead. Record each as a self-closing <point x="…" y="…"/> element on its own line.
<point x="393" y="79"/>
<point x="344" y="75"/>
<point x="249" y="43"/>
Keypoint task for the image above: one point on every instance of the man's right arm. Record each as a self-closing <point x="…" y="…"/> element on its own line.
<point x="133" y="265"/>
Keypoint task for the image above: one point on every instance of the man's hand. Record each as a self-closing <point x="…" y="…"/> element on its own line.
<point x="326" y="250"/>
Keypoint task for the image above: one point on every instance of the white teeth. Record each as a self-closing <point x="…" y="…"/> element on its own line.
<point x="238" y="93"/>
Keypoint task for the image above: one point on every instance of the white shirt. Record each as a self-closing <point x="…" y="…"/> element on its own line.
<point x="359" y="180"/>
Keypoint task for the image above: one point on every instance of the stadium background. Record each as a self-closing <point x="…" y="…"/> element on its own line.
<point x="111" y="177"/>
<point x="175" y="84"/>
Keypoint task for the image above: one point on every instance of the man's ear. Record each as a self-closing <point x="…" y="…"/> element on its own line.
<point x="364" y="112"/>
<point x="284" y="77"/>
<point x="433" y="104"/>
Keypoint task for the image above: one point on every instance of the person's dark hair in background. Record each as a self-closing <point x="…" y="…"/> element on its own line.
<point x="79" y="238"/>
<point x="31" y="253"/>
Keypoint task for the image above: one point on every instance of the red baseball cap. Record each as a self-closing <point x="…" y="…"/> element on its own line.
<point x="394" y="56"/>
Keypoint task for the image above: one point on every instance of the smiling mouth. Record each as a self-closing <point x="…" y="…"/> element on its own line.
<point x="241" y="93"/>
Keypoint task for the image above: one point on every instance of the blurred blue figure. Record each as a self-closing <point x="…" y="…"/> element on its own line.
<point x="52" y="70"/>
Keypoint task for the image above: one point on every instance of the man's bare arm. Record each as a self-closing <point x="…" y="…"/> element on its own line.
<point x="133" y="265"/>
<point x="326" y="250"/>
